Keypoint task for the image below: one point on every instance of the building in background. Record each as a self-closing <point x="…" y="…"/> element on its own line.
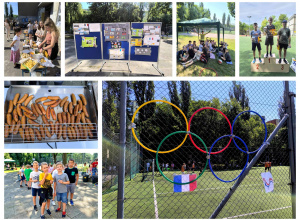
<point x="292" y="24"/>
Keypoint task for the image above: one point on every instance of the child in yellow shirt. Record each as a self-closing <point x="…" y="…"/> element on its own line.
<point x="46" y="181"/>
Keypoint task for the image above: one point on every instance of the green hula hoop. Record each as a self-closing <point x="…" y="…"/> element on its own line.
<point x="156" y="158"/>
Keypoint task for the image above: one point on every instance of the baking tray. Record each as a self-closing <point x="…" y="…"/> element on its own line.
<point x="44" y="91"/>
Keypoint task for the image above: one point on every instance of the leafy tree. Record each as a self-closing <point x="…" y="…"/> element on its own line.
<point x="228" y="20"/>
<point x="181" y="11"/>
<point x="282" y="17"/>
<point x="224" y="19"/>
<point x="6" y="9"/>
<point x="231" y="8"/>
<point x="11" y="11"/>
<point x="238" y="92"/>
<point x="215" y="17"/>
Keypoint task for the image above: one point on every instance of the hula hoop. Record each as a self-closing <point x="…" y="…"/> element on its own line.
<point x="217" y="152"/>
<point x="161" y="152"/>
<point x="156" y="158"/>
<point x="266" y="131"/>
<point x="232" y="136"/>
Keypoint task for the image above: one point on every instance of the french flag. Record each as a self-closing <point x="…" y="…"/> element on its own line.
<point x="184" y="178"/>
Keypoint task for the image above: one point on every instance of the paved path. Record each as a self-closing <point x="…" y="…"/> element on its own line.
<point x="114" y="68"/>
<point x="18" y="201"/>
<point x="9" y="69"/>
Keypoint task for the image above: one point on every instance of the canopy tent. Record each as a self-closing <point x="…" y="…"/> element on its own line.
<point x="9" y="160"/>
<point x="201" y="23"/>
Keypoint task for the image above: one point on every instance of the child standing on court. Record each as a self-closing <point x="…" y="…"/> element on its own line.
<point x="27" y="172"/>
<point x="36" y="188"/>
<point x="15" y="47"/>
<point x="255" y="36"/>
<point x="46" y="190"/>
<point x="60" y="188"/>
<point x="269" y="38"/>
<point x="73" y="175"/>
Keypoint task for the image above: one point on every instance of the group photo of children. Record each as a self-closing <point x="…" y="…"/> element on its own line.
<point x="51" y="185"/>
<point x="206" y="44"/>
<point x="267" y="31"/>
<point x="32" y="39"/>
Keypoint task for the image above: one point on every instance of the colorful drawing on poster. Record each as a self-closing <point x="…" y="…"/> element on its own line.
<point x="117" y="30"/>
<point x="115" y="44"/>
<point x="152" y="40"/>
<point x="137" y="32"/>
<point x="136" y="42"/>
<point x="81" y="29"/>
<point x="117" y="54"/>
<point x="89" y="42"/>
<point x="146" y="51"/>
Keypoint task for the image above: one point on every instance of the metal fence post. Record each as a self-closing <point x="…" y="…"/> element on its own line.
<point x="290" y="109"/>
<point x="252" y="163"/>
<point x="121" y="170"/>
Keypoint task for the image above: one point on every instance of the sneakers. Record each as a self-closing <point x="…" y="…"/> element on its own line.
<point x="42" y="216"/>
<point x="267" y="55"/>
<point x="26" y="185"/>
<point x="21" y="186"/>
<point x="53" y="203"/>
<point x="71" y="202"/>
<point x="271" y="54"/>
<point x="285" y="61"/>
<point x="57" y="210"/>
<point x="63" y="214"/>
<point x="260" y="60"/>
<point x="35" y="208"/>
<point x="254" y="60"/>
<point x="48" y="211"/>
<point x="279" y="61"/>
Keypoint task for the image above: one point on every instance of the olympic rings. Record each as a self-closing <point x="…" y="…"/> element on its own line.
<point x="156" y="158"/>
<point x="266" y="131"/>
<point x="231" y="137"/>
<point x="217" y="152"/>
<point x="161" y="152"/>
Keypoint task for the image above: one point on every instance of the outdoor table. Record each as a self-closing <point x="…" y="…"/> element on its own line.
<point x="41" y="69"/>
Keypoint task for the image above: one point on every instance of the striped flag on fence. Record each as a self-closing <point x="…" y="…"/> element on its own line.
<point x="184" y="178"/>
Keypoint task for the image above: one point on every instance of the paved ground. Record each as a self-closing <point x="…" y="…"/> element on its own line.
<point x="92" y="67"/>
<point x="9" y="69"/>
<point x="18" y="201"/>
<point x="226" y="36"/>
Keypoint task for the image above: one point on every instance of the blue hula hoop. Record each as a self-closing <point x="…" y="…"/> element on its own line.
<point x="232" y="136"/>
<point x="266" y="132"/>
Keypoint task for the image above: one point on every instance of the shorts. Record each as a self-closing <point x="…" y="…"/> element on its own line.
<point x="22" y="178"/>
<point x="35" y="191"/>
<point x="254" y="45"/>
<point x="27" y="178"/>
<point x="94" y="170"/>
<point x="62" y="197"/>
<point x="71" y="188"/>
<point x="269" y="41"/>
<point x="46" y="194"/>
<point x="284" y="46"/>
<point x="30" y="32"/>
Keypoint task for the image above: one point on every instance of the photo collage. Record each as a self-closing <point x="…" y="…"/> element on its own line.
<point x="189" y="108"/>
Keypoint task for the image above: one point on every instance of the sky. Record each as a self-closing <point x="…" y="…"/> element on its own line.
<point x="85" y="5"/>
<point x="260" y="10"/>
<point x="219" y="8"/>
<point x="14" y="6"/>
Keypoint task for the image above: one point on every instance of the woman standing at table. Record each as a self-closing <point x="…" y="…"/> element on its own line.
<point x="30" y="30"/>
<point x="51" y="40"/>
<point x="7" y="29"/>
<point x="40" y="33"/>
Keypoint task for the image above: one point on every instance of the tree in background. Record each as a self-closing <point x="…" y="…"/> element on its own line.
<point x="181" y="11"/>
<point x="228" y="21"/>
<point x="6" y="9"/>
<point x="73" y="13"/>
<point x="11" y="12"/>
<point x="215" y="17"/>
<point x="224" y="19"/>
<point x="161" y="12"/>
<point x="238" y="92"/>
<point x="231" y="8"/>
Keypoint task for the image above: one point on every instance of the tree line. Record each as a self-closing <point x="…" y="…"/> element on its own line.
<point x="8" y="12"/>
<point x="156" y="121"/>
<point x="99" y="12"/>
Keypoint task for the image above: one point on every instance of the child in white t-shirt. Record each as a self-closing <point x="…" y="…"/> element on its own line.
<point x="35" y="187"/>
<point x="15" y="47"/>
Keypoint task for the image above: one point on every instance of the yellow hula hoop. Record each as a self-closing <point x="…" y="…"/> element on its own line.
<point x="161" y="152"/>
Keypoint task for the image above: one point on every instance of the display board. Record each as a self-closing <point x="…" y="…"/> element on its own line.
<point x="145" y="41"/>
<point x="87" y="37"/>
<point x="116" y="40"/>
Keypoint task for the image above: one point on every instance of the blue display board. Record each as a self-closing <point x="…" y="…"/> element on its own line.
<point x="107" y="44"/>
<point x="88" y="53"/>
<point x="154" y="49"/>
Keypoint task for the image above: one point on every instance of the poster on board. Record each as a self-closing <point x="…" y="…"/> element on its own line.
<point x="89" y="42"/>
<point x="151" y="40"/>
<point x="143" y="51"/>
<point x="81" y="29"/>
<point x="117" y="54"/>
<point x="116" y="32"/>
<point x="136" y="42"/>
<point x="152" y="29"/>
<point x="115" y="44"/>
<point x="137" y="32"/>
<point x="94" y="27"/>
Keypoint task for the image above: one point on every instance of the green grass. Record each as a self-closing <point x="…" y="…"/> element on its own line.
<point x="215" y="31"/>
<point x="249" y="197"/>
<point x="246" y="56"/>
<point x="194" y="70"/>
<point x="11" y="171"/>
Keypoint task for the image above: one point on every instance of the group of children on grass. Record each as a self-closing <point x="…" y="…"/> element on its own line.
<point x="64" y="182"/>
<point x="192" y="53"/>
<point x="283" y="40"/>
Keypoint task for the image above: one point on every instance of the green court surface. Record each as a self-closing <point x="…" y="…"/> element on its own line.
<point x="246" y="56"/>
<point x="197" y="68"/>
<point x="249" y="200"/>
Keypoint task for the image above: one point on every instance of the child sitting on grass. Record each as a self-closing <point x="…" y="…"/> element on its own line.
<point x="226" y="57"/>
<point x="182" y="54"/>
<point x="46" y="190"/>
<point x="60" y="188"/>
<point x="192" y="61"/>
<point x="15" y="47"/>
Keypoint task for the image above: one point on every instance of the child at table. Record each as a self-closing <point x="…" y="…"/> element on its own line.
<point x="15" y="47"/>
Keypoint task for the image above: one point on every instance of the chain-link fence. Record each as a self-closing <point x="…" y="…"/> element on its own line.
<point x="148" y="193"/>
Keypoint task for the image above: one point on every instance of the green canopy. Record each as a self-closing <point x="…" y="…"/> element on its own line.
<point x="201" y="23"/>
<point x="9" y="160"/>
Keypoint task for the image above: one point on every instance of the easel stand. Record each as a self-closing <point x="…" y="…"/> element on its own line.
<point x="128" y="66"/>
